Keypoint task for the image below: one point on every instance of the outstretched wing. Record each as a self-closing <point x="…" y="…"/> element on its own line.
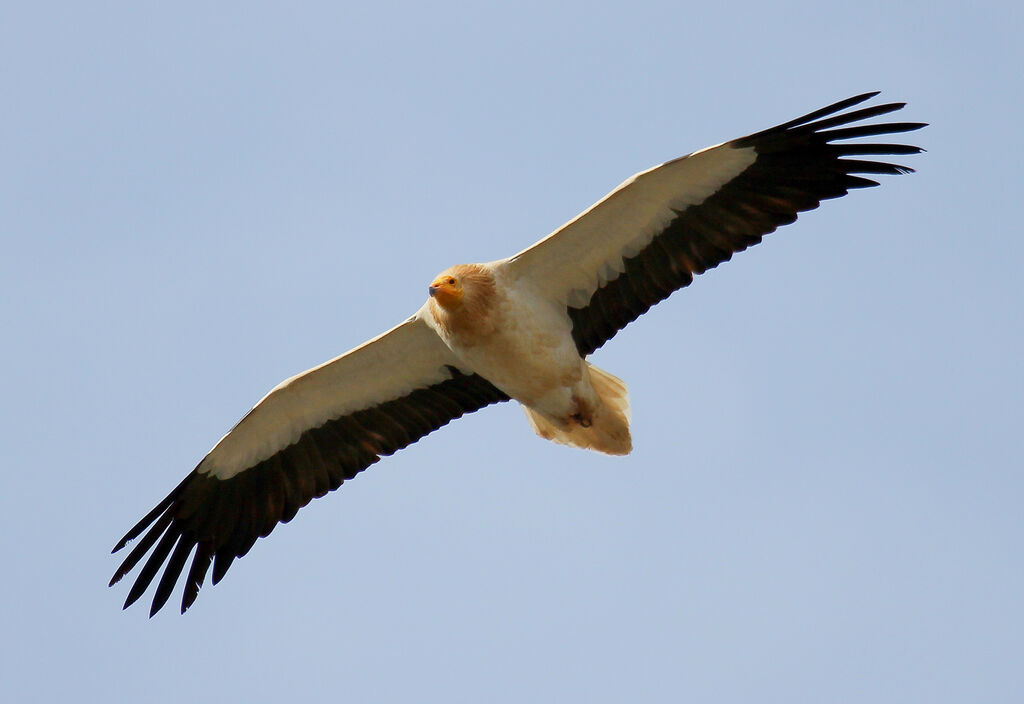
<point x="652" y="234"/>
<point x="306" y="437"/>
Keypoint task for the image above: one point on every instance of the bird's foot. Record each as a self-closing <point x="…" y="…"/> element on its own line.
<point x="583" y="420"/>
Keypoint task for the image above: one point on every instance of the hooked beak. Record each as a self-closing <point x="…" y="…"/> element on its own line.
<point x="432" y="289"/>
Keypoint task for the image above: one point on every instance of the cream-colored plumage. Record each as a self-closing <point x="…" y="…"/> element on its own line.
<point x="507" y="331"/>
<point x="518" y="328"/>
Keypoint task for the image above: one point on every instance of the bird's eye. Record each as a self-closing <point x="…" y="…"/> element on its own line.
<point x="451" y="281"/>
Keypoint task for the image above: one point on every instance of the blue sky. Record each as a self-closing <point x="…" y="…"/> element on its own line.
<point x="824" y="499"/>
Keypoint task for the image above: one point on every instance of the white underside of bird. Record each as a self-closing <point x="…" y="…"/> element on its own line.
<point x="508" y="332"/>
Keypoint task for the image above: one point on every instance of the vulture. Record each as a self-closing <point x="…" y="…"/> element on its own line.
<point x="517" y="328"/>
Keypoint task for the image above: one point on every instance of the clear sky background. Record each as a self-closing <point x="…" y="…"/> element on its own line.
<point x="824" y="502"/>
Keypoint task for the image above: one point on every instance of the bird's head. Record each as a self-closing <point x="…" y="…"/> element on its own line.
<point x="446" y="289"/>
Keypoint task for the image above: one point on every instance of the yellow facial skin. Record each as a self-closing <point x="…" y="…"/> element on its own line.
<point x="447" y="291"/>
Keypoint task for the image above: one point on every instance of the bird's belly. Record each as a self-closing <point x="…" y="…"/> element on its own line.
<point x="536" y="365"/>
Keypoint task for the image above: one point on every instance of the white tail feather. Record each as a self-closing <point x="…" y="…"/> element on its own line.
<point x="609" y="428"/>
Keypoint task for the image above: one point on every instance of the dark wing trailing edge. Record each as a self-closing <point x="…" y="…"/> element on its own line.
<point x="222" y="518"/>
<point x="798" y="165"/>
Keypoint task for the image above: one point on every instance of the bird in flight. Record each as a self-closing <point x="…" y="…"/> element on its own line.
<point x="517" y="328"/>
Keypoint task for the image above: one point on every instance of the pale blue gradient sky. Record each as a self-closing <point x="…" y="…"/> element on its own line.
<point x="824" y="503"/>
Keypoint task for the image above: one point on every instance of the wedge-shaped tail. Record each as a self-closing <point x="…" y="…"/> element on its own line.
<point x="608" y="431"/>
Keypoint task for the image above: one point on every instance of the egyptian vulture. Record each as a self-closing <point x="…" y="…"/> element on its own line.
<point x="517" y="328"/>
